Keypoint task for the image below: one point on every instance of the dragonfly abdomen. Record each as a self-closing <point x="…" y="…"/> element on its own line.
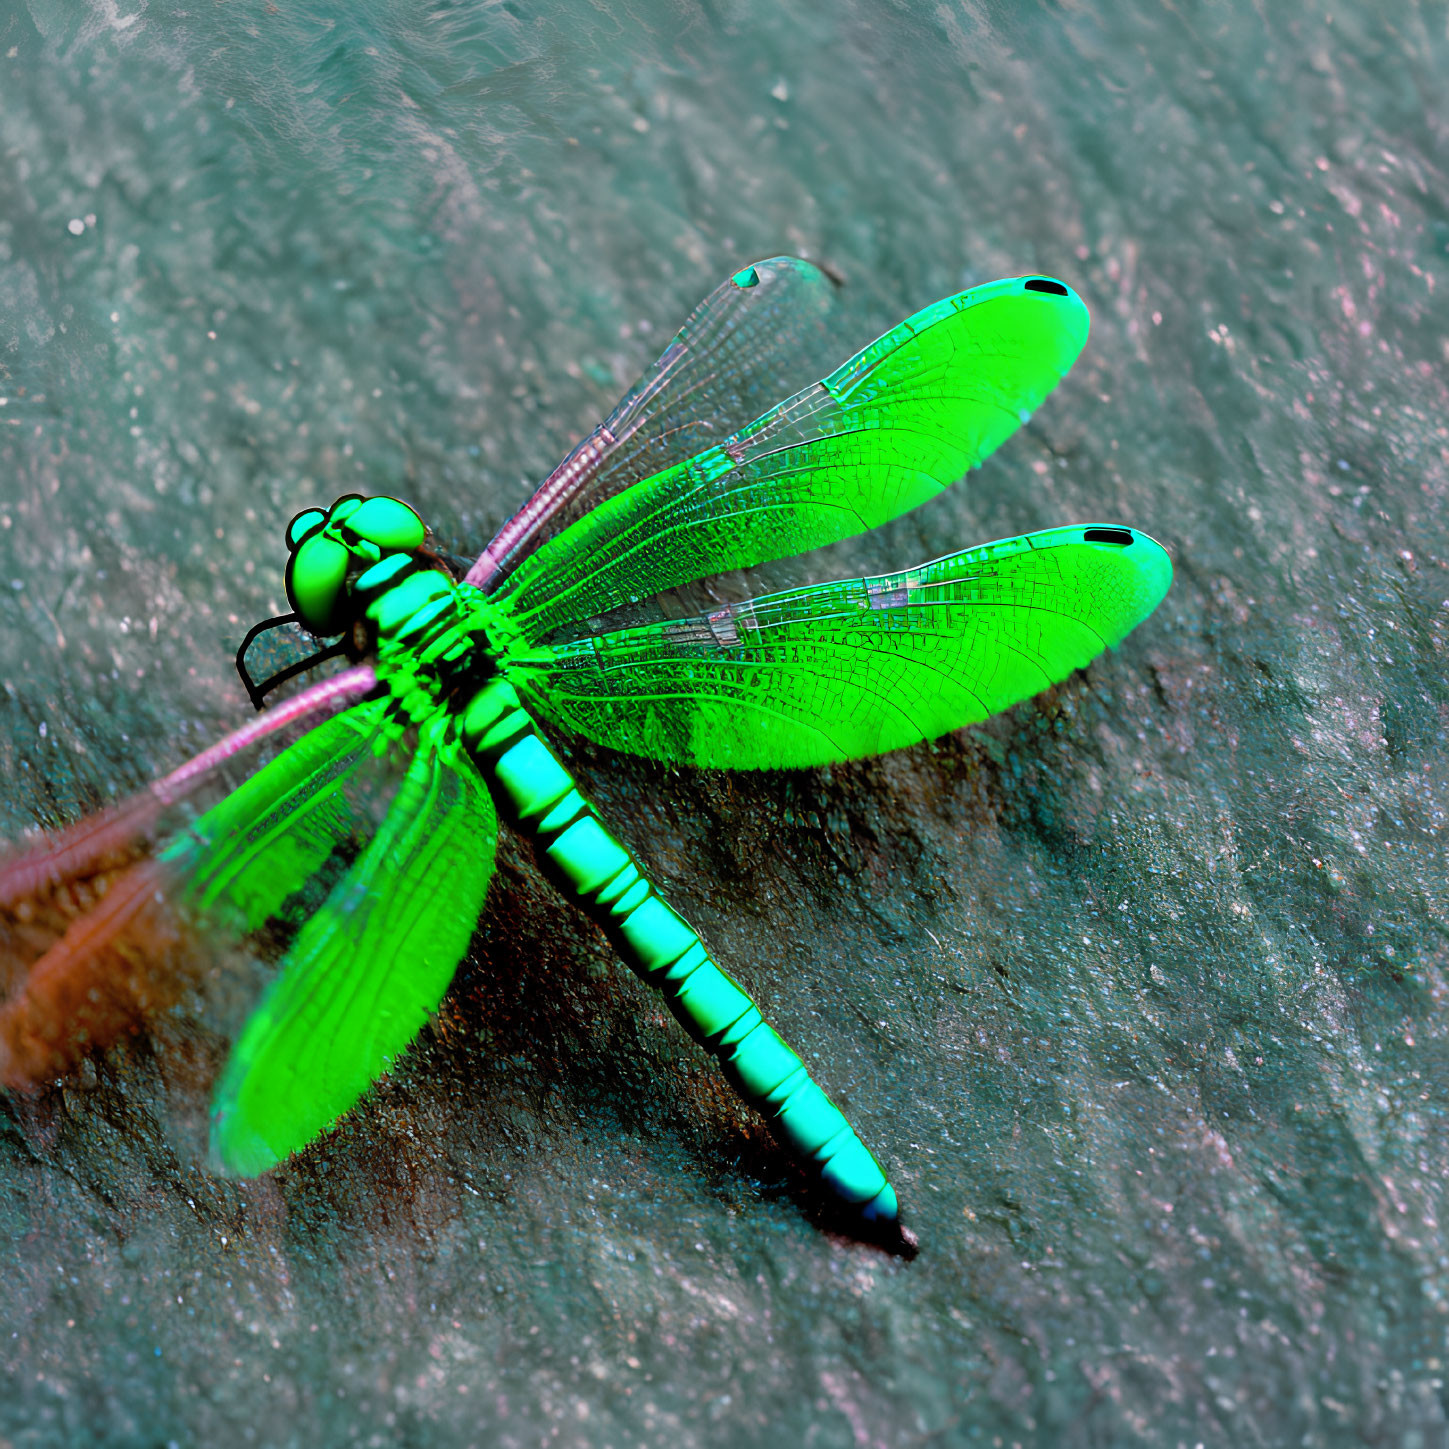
<point x="534" y="788"/>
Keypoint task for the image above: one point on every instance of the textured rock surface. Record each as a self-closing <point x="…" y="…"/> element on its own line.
<point x="1139" y="991"/>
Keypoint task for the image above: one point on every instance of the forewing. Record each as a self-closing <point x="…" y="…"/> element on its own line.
<point x="364" y="971"/>
<point x="844" y="670"/>
<point x="900" y="421"/>
<point x="100" y="929"/>
<point x="755" y="339"/>
<point x="247" y="854"/>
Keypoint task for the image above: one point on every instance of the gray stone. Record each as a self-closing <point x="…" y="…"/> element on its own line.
<point x="1137" y="991"/>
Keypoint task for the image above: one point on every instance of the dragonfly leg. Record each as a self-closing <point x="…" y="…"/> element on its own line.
<point x="661" y="947"/>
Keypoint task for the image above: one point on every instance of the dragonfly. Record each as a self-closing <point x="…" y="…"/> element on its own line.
<point x="457" y="687"/>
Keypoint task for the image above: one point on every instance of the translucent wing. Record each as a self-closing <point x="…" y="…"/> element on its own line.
<point x="91" y="938"/>
<point x="260" y="844"/>
<point x="843" y="670"/>
<point x="364" y="971"/>
<point x="753" y="340"/>
<point x="900" y="421"/>
<point x="61" y="856"/>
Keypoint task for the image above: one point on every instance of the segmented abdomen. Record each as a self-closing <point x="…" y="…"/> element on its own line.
<point x="664" y="950"/>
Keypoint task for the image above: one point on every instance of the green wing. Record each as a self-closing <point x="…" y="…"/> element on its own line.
<point x="364" y="971"/>
<point x="900" y="421"/>
<point x="844" y="670"/>
<point x="248" y="854"/>
<point x="755" y="339"/>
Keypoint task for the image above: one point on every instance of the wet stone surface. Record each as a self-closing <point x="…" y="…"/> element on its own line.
<point x="1138" y="991"/>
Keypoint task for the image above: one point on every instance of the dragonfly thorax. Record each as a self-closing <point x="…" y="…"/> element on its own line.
<point x="360" y="569"/>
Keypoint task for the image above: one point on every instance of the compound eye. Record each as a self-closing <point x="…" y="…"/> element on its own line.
<point x="391" y="525"/>
<point x="344" y="507"/>
<point x="303" y="525"/>
<point x="316" y="584"/>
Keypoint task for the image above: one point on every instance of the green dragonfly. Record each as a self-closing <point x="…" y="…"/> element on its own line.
<point x="460" y="681"/>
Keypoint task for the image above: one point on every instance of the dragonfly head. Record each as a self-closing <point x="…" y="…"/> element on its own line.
<point x="328" y="546"/>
